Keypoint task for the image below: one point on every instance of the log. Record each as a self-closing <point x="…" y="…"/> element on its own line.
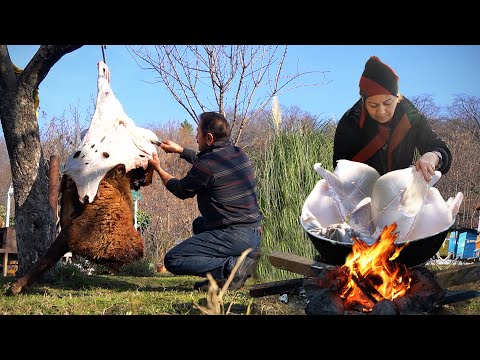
<point x="54" y="184"/>
<point x="296" y="264"/>
<point x="458" y="276"/>
<point x="276" y="287"/>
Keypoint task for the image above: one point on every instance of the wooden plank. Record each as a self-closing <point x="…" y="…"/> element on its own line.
<point x="458" y="276"/>
<point x="296" y="264"/>
<point x="275" y="287"/>
<point x="5" y="264"/>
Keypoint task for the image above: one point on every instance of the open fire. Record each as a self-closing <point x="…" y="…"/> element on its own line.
<point x="371" y="281"/>
<point x="372" y="274"/>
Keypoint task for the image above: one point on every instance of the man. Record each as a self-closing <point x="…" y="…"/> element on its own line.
<point x="222" y="178"/>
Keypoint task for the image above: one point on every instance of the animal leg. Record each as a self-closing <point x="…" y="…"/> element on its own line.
<point x="46" y="262"/>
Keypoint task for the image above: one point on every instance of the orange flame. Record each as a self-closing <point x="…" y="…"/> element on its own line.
<point x="372" y="274"/>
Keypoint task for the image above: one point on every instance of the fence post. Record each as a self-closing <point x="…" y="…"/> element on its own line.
<point x="54" y="184"/>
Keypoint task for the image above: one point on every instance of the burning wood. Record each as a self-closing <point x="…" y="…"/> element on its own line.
<point x="371" y="282"/>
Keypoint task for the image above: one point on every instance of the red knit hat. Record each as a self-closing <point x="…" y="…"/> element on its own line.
<point x="377" y="79"/>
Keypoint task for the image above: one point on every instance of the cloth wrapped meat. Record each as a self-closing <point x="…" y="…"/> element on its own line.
<point x="355" y="200"/>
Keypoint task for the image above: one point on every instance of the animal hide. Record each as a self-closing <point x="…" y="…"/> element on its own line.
<point x="96" y="215"/>
<point x="112" y="138"/>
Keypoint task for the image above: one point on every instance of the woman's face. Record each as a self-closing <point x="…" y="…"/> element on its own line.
<point x="381" y="107"/>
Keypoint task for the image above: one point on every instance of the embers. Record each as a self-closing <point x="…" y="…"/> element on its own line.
<point x="324" y="295"/>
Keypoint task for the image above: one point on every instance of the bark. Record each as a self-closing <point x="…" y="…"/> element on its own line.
<point x="34" y="220"/>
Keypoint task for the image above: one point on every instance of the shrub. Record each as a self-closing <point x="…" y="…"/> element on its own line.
<point x="141" y="267"/>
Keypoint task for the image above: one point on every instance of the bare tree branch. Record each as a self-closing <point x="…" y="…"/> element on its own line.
<point x="42" y="62"/>
<point x="465" y="112"/>
<point x="219" y="77"/>
<point x="425" y="104"/>
<point x="7" y="74"/>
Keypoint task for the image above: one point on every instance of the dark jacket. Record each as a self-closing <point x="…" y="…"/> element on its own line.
<point x="222" y="178"/>
<point x="389" y="146"/>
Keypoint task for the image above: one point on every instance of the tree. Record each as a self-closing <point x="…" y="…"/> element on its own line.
<point x="185" y="125"/>
<point x="425" y="104"/>
<point x="465" y="112"/>
<point x="464" y="173"/>
<point x="61" y="135"/>
<point x="34" y="220"/>
<point x="5" y="174"/>
<point x="240" y="79"/>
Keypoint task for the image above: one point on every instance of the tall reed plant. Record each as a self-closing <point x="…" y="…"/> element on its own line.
<point x="285" y="177"/>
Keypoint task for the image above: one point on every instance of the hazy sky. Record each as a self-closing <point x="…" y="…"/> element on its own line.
<point x="439" y="70"/>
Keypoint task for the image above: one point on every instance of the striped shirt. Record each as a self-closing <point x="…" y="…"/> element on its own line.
<point x="222" y="178"/>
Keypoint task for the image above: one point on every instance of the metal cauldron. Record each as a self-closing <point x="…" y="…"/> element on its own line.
<point x="417" y="252"/>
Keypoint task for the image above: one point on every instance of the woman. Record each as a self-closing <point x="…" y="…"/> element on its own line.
<point x="383" y="129"/>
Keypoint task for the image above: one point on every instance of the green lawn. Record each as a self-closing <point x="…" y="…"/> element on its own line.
<point x="76" y="293"/>
<point x="123" y="295"/>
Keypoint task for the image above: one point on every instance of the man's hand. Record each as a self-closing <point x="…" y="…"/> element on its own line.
<point x="171" y="147"/>
<point x="154" y="161"/>
<point x="426" y="164"/>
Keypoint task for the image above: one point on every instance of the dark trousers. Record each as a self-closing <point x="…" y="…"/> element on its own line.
<point x="212" y="251"/>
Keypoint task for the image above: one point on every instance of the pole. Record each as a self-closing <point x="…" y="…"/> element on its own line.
<point x="478" y="230"/>
<point x="136" y="209"/>
<point x="7" y="217"/>
<point x="54" y="184"/>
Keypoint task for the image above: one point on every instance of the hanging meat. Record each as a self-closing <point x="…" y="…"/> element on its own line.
<point x="96" y="216"/>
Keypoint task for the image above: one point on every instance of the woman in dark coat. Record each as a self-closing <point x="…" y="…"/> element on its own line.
<point x="383" y="129"/>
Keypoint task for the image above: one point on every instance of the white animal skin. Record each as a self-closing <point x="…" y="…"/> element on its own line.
<point x="350" y="182"/>
<point x="397" y="197"/>
<point x="111" y="139"/>
<point x="365" y="203"/>
<point x="321" y="206"/>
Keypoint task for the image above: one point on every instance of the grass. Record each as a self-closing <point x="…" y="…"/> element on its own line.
<point x="129" y="295"/>
<point x="162" y="294"/>
<point x="285" y="177"/>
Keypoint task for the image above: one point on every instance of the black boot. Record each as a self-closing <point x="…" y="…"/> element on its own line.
<point x="246" y="270"/>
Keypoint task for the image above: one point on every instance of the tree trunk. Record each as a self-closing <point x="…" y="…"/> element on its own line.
<point x="34" y="220"/>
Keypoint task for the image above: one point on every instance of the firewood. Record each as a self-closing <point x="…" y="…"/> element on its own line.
<point x="458" y="276"/>
<point x="276" y="287"/>
<point x="296" y="264"/>
<point x="366" y="286"/>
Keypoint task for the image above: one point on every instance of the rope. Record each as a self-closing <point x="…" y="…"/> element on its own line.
<point x="103" y="53"/>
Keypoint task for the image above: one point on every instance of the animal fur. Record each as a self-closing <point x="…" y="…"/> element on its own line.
<point x="101" y="231"/>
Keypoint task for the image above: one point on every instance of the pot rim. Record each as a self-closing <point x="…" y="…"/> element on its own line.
<point x="335" y="242"/>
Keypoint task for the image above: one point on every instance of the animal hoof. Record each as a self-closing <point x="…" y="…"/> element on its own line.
<point x="15" y="289"/>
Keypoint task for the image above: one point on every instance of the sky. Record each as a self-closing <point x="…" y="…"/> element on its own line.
<point x="439" y="70"/>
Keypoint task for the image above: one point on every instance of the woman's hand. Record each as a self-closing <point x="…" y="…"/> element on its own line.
<point x="426" y="164"/>
<point x="171" y="147"/>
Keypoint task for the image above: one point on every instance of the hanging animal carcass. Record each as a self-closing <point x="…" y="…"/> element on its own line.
<point x="96" y="216"/>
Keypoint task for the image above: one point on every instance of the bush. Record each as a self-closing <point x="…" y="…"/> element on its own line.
<point x="71" y="274"/>
<point x="141" y="267"/>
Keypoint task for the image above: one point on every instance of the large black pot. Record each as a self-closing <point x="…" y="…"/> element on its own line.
<point x="417" y="252"/>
